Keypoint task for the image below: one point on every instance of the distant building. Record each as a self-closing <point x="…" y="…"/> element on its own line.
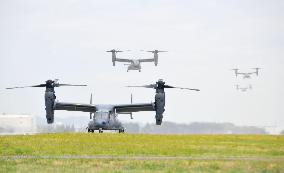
<point x="17" y="124"/>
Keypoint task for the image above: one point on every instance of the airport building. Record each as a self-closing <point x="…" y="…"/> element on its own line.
<point x="17" y="124"/>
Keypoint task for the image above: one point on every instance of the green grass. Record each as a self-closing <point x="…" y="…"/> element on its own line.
<point x="267" y="151"/>
<point x="116" y="165"/>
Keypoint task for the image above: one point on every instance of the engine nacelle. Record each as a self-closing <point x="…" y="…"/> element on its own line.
<point x="160" y="107"/>
<point x="156" y="59"/>
<point x="113" y="58"/>
<point x="49" y="106"/>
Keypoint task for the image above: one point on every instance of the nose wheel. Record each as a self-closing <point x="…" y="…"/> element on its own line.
<point x="100" y="130"/>
<point x="121" y="131"/>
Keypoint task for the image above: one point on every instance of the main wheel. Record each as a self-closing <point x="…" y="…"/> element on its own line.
<point x="121" y="131"/>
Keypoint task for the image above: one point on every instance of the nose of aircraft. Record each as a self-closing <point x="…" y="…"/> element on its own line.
<point x="100" y="123"/>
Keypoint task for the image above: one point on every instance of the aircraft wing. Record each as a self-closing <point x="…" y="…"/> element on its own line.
<point x="123" y="60"/>
<point x="146" y="60"/>
<point x="75" y="107"/>
<point x="128" y="108"/>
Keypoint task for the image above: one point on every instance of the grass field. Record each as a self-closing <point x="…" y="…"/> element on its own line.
<point x="141" y="153"/>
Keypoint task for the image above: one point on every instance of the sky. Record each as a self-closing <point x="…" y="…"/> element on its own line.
<point x="68" y="40"/>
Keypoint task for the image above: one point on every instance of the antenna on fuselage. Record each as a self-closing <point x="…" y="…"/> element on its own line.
<point x="131" y="99"/>
<point x="91" y="102"/>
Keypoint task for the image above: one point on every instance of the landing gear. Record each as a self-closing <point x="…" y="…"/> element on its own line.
<point x="139" y="70"/>
<point x="90" y="131"/>
<point x="120" y="130"/>
<point x="100" y="130"/>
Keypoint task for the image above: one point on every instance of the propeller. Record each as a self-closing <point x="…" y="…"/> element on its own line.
<point x="161" y="85"/>
<point x="114" y="51"/>
<point x="155" y="51"/>
<point x="256" y="70"/>
<point x="236" y="71"/>
<point x="48" y="84"/>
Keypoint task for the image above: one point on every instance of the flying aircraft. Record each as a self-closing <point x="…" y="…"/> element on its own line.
<point x="134" y="64"/>
<point x="104" y="117"/>
<point x="246" y="75"/>
<point x="244" y="89"/>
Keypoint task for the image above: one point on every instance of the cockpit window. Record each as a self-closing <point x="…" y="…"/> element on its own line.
<point x="102" y="115"/>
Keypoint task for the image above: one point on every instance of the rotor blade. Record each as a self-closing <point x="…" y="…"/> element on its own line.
<point x="113" y="50"/>
<point x="145" y="86"/>
<point x="40" y="85"/>
<point x="69" y="85"/>
<point x="168" y="86"/>
<point x="153" y="51"/>
<point x="256" y="68"/>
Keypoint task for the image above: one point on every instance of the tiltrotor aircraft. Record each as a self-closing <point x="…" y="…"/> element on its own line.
<point x="104" y="116"/>
<point x="244" y="89"/>
<point x="246" y="75"/>
<point x="135" y="64"/>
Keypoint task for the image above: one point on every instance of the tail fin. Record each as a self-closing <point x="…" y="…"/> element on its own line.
<point x="250" y="87"/>
<point x="237" y="86"/>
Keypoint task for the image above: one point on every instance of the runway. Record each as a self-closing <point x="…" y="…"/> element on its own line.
<point x="233" y="158"/>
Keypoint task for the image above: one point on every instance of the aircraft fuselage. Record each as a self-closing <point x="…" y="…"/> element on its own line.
<point x="135" y="65"/>
<point x="105" y="119"/>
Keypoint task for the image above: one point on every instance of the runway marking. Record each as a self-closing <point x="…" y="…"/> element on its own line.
<point x="233" y="158"/>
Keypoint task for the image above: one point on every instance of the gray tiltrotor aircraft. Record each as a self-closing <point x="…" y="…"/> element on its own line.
<point x="104" y="116"/>
<point x="244" y="89"/>
<point x="246" y="75"/>
<point x="135" y="64"/>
